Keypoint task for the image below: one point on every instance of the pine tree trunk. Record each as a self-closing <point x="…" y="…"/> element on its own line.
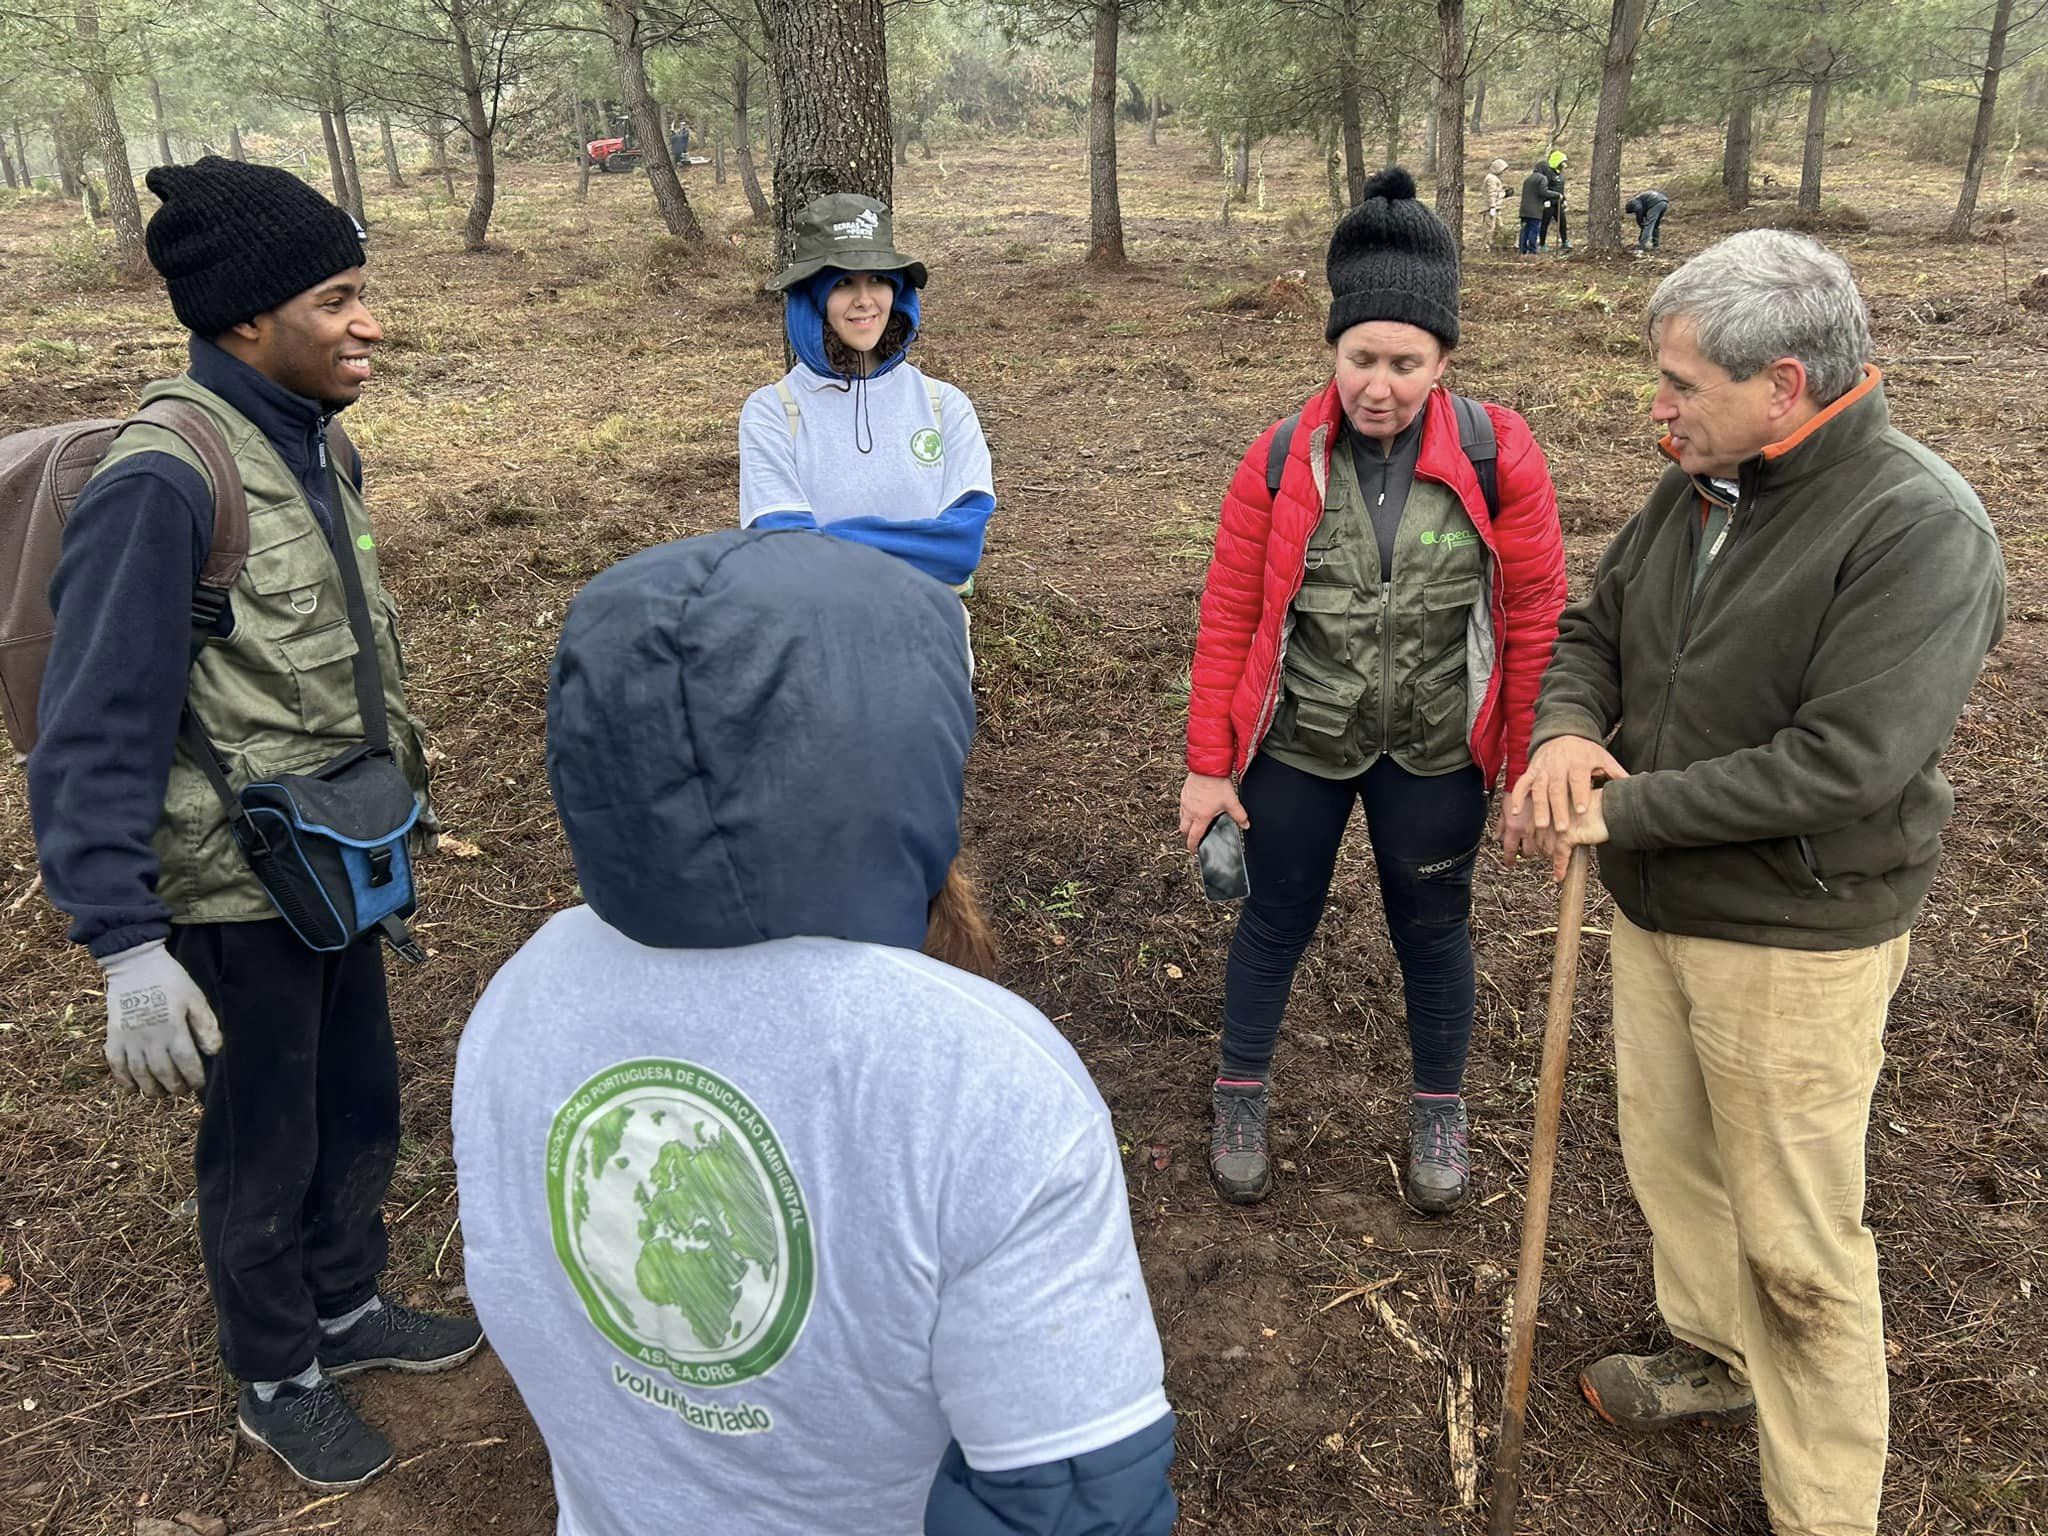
<point x="1811" y="161"/>
<point x="901" y="135"/>
<point x="235" y="150"/>
<point x="1980" y="136"/>
<point x="122" y="204"/>
<point x="1216" y="161"/>
<point x="156" y="99"/>
<point x="1105" y="206"/>
<point x="1395" y="107"/>
<point x="336" y="173"/>
<point x="28" y="177"/>
<point x="390" y="153"/>
<point x="1448" y="160"/>
<point x="1625" y="21"/>
<point x="1429" y="132"/>
<point x="1478" y="106"/>
<point x="476" y="227"/>
<point x="69" y="157"/>
<point x="1152" y="122"/>
<point x="1333" y="174"/>
<point x="1241" y="166"/>
<point x="7" y="166"/>
<point x="1347" y="105"/>
<point x="346" y="135"/>
<point x="582" y="147"/>
<point x="742" y="135"/>
<point x="629" y="53"/>
<point x="1735" y="153"/>
<point x="717" y="156"/>
<point x="832" y="98"/>
<point x="437" y="146"/>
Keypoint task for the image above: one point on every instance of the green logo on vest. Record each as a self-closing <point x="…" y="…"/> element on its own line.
<point x="683" y="1228"/>
<point x="927" y="447"/>
<point x="1452" y="540"/>
<point x="364" y="541"/>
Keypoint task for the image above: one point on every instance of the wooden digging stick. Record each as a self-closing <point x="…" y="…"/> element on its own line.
<point x="1557" y="1039"/>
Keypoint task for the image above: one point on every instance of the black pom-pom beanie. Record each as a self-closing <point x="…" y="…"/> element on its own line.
<point x="233" y="240"/>
<point x="1392" y="259"/>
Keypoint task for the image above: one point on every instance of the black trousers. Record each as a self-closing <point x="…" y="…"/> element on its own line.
<point x="297" y="1137"/>
<point x="1425" y="838"/>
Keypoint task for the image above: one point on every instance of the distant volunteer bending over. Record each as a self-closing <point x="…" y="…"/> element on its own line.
<point x="781" y="1220"/>
<point x="854" y="440"/>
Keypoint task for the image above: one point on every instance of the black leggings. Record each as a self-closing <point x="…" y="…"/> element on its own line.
<point x="1425" y="837"/>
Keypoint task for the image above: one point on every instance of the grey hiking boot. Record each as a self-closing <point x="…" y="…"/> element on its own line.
<point x="1238" y="1164"/>
<point x="1439" y="1154"/>
<point x="395" y="1337"/>
<point x="1683" y="1385"/>
<point x="315" y="1432"/>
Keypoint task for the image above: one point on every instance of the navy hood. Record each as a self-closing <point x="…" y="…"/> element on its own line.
<point x="761" y="734"/>
<point x="803" y="321"/>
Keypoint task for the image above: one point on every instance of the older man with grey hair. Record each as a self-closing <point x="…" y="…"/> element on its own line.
<point x="1747" y="715"/>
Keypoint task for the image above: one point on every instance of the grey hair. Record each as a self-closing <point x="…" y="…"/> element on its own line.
<point x="1765" y="294"/>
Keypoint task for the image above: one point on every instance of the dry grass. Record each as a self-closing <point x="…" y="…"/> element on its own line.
<point x="570" y="397"/>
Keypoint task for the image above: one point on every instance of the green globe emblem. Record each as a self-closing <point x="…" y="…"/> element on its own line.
<point x="927" y="447"/>
<point x="680" y="1222"/>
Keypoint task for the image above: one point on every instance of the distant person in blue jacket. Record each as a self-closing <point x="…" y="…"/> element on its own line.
<point x="781" y="1217"/>
<point x="854" y="439"/>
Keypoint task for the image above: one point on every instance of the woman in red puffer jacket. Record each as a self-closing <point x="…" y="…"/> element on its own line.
<point x="1373" y="631"/>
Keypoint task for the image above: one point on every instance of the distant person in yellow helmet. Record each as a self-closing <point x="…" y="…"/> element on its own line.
<point x="1552" y="167"/>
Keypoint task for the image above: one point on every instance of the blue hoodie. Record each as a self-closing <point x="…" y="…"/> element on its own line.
<point x="755" y="736"/>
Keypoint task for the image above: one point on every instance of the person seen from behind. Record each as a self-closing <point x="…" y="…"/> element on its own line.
<point x="1533" y="209"/>
<point x="1371" y="633"/>
<point x="1746" y="717"/>
<point x="854" y="440"/>
<point x="774" y="1206"/>
<point x="1552" y="166"/>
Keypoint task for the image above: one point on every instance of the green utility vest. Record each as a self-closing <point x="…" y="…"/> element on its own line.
<point x="1372" y="667"/>
<point x="277" y="694"/>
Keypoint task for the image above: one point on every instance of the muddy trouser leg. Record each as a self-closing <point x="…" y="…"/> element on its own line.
<point x="1425" y="839"/>
<point x="297" y="1136"/>
<point x="1297" y="825"/>
<point x="1788" y="1045"/>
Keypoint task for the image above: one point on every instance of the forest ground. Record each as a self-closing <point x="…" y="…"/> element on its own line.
<point x="570" y="397"/>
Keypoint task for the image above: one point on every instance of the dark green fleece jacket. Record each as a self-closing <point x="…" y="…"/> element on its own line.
<point x="1783" y="724"/>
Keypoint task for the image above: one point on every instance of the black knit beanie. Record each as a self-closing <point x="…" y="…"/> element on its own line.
<point x="233" y="240"/>
<point x="1392" y="259"/>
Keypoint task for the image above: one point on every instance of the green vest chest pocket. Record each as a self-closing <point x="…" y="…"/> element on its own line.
<point x="290" y="584"/>
<point x="1446" y="615"/>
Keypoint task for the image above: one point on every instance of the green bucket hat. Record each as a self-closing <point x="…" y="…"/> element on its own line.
<point x="850" y="233"/>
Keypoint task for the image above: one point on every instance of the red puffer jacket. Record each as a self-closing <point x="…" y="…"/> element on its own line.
<point x="1262" y="542"/>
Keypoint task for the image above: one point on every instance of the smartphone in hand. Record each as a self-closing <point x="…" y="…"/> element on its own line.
<point x="1221" y="860"/>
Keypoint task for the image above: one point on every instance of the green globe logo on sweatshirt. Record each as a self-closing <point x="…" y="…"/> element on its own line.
<point x="682" y="1226"/>
<point x="927" y="447"/>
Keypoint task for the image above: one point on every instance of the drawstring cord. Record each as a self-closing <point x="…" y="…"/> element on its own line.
<point x="857" y="386"/>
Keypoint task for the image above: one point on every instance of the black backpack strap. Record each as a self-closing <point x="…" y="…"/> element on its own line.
<point x="1475" y="436"/>
<point x="1276" y="452"/>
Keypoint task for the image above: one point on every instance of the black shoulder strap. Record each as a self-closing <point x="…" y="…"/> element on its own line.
<point x="1276" y="452"/>
<point x="1475" y="436"/>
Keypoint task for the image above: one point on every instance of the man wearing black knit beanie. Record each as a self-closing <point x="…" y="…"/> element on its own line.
<point x="208" y="987"/>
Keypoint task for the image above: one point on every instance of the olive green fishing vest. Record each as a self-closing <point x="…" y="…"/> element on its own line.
<point x="1372" y="667"/>
<point x="276" y="694"/>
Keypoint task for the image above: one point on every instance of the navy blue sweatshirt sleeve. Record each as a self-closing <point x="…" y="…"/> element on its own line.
<point x="113" y="690"/>
<point x="1120" y="1490"/>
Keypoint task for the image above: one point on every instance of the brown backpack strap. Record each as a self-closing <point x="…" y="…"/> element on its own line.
<point x="343" y="454"/>
<point x="230" y="549"/>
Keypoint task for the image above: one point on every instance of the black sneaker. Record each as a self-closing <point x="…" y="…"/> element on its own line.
<point x="401" y="1339"/>
<point x="315" y="1433"/>
<point x="1439" y="1154"/>
<point x="1238" y="1164"/>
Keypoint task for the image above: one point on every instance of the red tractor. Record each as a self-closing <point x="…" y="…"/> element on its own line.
<point x="613" y="154"/>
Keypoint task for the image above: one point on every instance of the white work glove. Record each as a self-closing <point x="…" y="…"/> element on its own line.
<point x="157" y="1022"/>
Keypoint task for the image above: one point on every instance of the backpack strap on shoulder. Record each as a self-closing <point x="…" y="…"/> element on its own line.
<point x="1475" y="437"/>
<point x="230" y="548"/>
<point x="1276" y="452"/>
<point x="931" y="391"/>
<point x="790" y="413"/>
<point x="342" y="453"/>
